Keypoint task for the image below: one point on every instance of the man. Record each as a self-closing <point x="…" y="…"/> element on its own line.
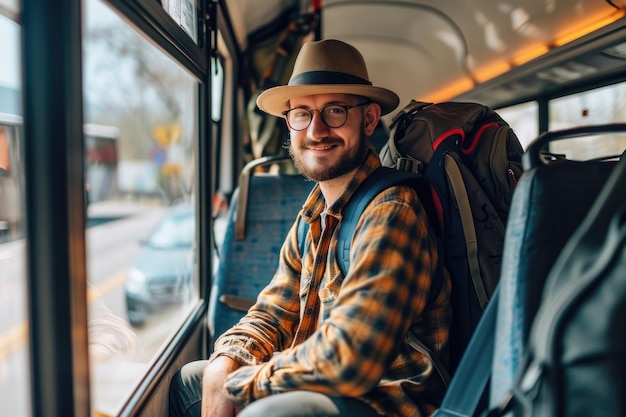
<point x="317" y="343"/>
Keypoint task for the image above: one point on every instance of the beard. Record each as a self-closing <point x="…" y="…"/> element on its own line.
<point x="347" y="162"/>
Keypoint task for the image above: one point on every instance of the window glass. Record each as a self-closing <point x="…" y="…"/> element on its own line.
<point x="14" y="373"/>
<point x="598" y="106"/>
<point x="220" y="198"/>
<point x="140" y="141"/>
<point x="524" y="119"/>
<point x="217" y="89"/>
<point x="14" y="355"/>
<point x="175" y="231"/>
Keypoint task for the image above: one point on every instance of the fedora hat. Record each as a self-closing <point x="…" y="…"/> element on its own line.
<point x="322" y="67"/>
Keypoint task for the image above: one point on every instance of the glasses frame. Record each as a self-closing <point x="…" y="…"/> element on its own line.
<point x="321" y="111"/>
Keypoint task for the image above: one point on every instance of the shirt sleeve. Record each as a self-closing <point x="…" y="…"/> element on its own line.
<point x="270" y="323"/>
<point x="384" y="292"/>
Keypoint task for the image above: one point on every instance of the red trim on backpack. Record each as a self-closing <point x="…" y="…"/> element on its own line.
<point x="446" y="135"/>
<point x="438" y="208"/>
<point x="477" y="136"/>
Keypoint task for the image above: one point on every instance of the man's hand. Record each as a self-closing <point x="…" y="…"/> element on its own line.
<point x="215" y="399"/>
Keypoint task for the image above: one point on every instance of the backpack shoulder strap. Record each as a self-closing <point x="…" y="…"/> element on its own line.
<point x="467" y="393"/>
<point x="471" y="242"/>
<point x="378" y="181"/>
<point x="303" y="228"/>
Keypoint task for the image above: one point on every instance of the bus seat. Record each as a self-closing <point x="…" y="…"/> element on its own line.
<point x="263" y="208"/>
<point x="536" y="232"/>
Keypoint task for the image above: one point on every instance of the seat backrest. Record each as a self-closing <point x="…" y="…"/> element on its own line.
<point x="549" y="203"/>
<point x="263" y="208"/>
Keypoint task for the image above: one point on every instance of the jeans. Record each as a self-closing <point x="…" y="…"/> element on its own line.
<point x="186" y="394"/>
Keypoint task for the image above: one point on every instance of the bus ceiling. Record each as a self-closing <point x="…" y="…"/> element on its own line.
<point x="484" y="51"/>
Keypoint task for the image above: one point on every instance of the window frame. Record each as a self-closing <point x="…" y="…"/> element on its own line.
<point x="54" y="178"/>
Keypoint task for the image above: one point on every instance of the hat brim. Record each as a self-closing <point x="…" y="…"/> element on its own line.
<point x="276" y="100"/>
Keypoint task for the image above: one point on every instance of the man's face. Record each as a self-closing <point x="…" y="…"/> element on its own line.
<point x="323" y="153"/>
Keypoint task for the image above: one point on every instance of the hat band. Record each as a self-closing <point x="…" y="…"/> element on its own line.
<point x="326" y="77"/>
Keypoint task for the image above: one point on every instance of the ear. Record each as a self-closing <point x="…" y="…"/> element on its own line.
<point x="371" y="117"/>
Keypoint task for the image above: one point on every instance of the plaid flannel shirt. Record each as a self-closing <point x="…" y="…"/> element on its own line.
<point x="314" y="329"/>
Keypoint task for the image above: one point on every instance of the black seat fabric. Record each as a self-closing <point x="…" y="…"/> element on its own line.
<point x="263" y="209"/>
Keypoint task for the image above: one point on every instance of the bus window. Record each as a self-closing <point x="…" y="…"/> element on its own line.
<point x="598" y="106"/>
<point x="217" y="91"/>
<point x="220" y="199"/>
<point x="5" y="162"/>
<point x="100" y="161"/>
<point x="524" y="119"/>
<point x="14" y="355"/>
<point x="14" y="373"/>
<point x="11" y="180"/>
<point x="141" y="114"/>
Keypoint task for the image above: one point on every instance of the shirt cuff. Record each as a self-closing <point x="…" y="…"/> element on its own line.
<point x="237" y="350"/>
<point x="249" y="383"/>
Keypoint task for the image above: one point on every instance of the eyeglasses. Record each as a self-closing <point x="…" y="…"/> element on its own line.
<point x="334" y="116"/>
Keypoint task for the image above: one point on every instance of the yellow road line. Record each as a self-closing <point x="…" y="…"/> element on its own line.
<point x="15" y="338"/>
<point x="114" y="281"/>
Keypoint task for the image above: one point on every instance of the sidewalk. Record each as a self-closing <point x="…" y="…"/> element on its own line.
<point x="117" y="208"/>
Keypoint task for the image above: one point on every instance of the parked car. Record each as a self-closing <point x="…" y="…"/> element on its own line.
<point x="162" y="273"/>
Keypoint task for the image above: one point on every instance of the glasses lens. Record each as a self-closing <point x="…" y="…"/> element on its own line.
<point x="299" y="118"/>
<point x="334" y="116"/>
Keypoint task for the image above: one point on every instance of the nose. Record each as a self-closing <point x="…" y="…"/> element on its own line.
<point x="317" y="129"/>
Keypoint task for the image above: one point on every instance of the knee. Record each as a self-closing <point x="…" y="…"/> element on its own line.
<point x="185" y="391"/>
<point x="262" y="408"/>
<point x="176" y="384"/>
<point x="290" y="404"/>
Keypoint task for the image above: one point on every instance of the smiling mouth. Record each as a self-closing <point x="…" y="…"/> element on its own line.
<point x="322" y="148"/>
<point x="326" y="144"/>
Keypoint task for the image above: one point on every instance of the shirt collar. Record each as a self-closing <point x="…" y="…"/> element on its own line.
<point x="315" y="204"/>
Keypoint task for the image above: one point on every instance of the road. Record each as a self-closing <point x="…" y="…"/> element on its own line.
<point x="111" y="248"/>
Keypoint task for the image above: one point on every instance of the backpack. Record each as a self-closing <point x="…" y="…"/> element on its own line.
<point x="426" y="143"/>
<point x="472" y="160"/>
<point x="575" y="363"/>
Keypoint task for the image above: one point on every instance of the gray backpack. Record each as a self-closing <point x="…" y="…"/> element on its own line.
<point x="471" y="158"/>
